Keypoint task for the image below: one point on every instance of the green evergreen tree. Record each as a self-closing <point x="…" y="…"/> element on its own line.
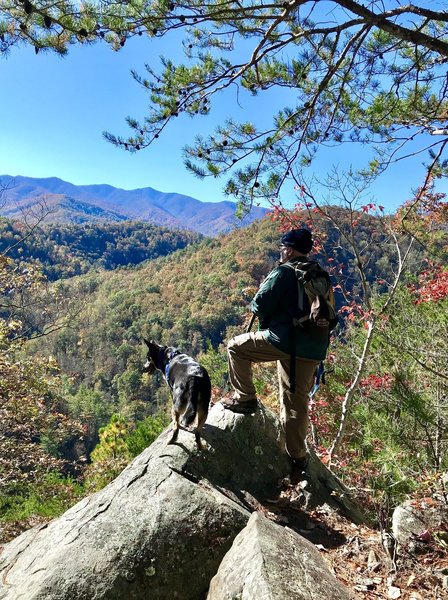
<point x="371" y="75"/>
<point x="112" y="442"/>
<point x="353" y="72"/>
<point x="111" y="454"/>
<point x="146" y="432"/>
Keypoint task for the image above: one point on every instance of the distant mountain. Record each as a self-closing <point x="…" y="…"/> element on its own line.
<point x="68" y="203"/>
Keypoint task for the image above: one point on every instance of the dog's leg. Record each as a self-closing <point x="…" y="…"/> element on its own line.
<point x="197" y="435"/>
<point x="201" y="418"/>
<point x="175" y="416"/>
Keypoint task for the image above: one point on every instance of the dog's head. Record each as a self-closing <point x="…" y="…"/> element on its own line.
<point x="152" y="356"/>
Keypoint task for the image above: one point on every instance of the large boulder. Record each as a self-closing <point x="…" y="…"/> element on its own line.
<point x="270" y="561"/>
<point x="160" y="529"/>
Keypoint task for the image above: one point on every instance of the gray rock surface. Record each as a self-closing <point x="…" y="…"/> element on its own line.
<point x="409" y="520"/>
<point x="160" y="529"/>
<point x="270" y="562"/>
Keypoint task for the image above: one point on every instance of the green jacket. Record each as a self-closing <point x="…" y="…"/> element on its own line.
<point x="275" y="304"/>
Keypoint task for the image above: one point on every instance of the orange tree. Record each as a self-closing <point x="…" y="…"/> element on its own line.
<point x="37" y="439"/>
<point x="33" y="426"/>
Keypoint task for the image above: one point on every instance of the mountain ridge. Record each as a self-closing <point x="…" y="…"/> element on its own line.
<point x="104" y="202"/>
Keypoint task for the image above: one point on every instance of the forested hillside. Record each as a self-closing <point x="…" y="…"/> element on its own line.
<point x="194" y="299"/>
<point x="188" y="298"/>
<point x="73" y="249"/>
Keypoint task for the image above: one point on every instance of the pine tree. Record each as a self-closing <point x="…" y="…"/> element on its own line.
<point x="352" y="73"/>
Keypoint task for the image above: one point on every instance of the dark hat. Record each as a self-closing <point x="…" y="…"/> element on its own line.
<point x="298" y="239"/>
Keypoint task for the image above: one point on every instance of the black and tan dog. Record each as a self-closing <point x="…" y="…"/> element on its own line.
<point x="189" y="384"/>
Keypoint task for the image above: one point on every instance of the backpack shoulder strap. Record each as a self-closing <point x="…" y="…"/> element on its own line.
<point x="300" y="271"/>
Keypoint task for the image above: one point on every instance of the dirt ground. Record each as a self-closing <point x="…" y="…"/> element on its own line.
<point x="358" y="557"/>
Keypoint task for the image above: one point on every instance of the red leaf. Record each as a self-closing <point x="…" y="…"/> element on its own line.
<point x="424" y="536"/>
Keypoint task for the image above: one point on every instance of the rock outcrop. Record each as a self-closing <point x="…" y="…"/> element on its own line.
<point x="161" y="529"/>
<point x="268" y="561"/>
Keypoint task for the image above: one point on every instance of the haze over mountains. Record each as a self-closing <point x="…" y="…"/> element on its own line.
<point x="69" y="203"/>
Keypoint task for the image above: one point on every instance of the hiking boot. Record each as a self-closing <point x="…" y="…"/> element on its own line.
<point x="298" y="469"/>
<point x="244" y="408"/>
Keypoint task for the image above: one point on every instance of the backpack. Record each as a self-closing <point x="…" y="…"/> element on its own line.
<point x="315" y="311"/>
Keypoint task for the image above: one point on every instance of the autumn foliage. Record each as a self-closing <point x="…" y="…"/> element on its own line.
<point x="432" y="285"/>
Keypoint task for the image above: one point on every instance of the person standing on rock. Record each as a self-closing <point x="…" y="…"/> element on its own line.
<point x="297" y="350"/>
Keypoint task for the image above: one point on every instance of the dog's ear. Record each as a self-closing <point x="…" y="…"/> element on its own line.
<point x="147" y="343"/>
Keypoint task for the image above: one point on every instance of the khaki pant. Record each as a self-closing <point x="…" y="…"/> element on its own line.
<point x="248" y="348"/>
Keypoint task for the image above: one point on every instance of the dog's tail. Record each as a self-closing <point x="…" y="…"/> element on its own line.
<point x="198" y="400"/>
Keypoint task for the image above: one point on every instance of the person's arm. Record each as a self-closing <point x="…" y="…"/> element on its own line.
<point x="268" y="297"/>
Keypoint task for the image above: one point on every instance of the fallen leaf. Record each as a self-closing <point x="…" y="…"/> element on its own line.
<point x="428" y="501"/>
<point x="393" y="593"/>
<point x="424" y="536"/>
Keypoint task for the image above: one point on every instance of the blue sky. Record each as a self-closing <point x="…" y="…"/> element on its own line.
<point x="54" y="110"/>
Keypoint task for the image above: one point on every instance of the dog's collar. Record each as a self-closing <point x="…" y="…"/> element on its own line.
<point x="171" y="355"/>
